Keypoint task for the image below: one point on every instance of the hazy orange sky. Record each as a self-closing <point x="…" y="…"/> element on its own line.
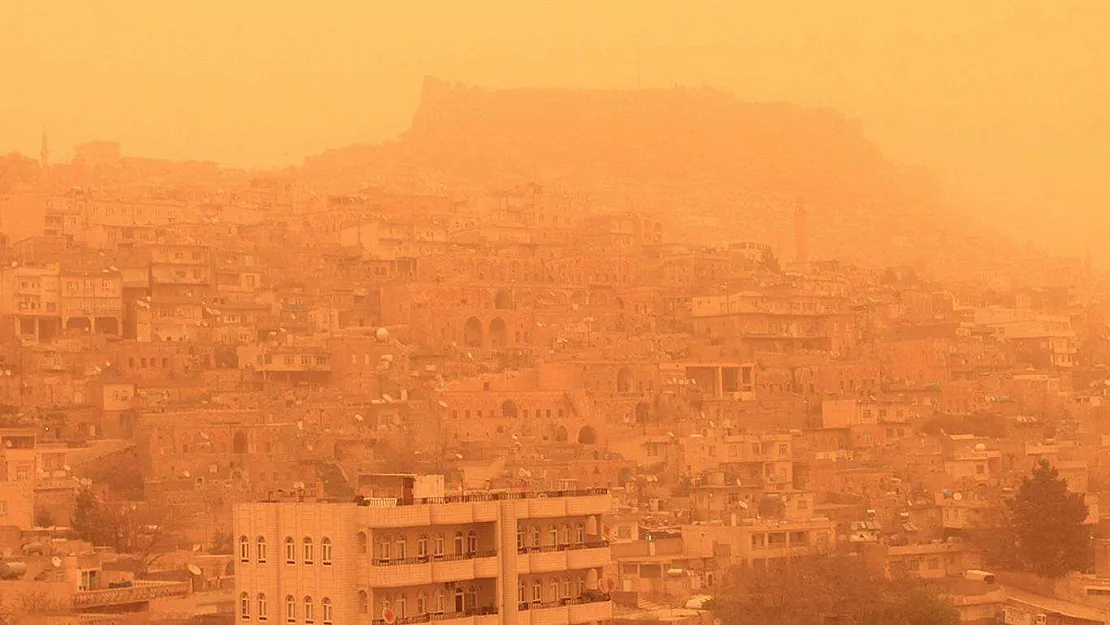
<point x="1008" y="99"/>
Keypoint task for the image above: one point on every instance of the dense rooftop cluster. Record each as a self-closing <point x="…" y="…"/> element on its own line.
<point x="179" y="340"/>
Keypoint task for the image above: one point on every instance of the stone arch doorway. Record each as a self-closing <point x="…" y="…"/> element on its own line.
<point x="498" y="333"/>
<point x="472" y="333"/>
<point x="508" y="409"/>
<point x="239" y="443"/>
<point x="561" y="434"/>
<point x="624" y="380"/>
<point x="587" y="435"/>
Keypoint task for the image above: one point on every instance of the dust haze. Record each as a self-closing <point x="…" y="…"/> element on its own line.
<point x="582" y="313"/>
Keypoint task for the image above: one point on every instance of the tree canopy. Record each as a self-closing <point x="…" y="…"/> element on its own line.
<point x="841" y="590"/>
<point x="1047" y="524"/>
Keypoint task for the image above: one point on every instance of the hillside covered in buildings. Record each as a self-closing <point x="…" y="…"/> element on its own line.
<point x="597" y="369"/>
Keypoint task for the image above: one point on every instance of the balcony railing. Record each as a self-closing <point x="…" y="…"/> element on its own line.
<point x="480" y="497"/>
<point x="567" y="547"/>
<point x="441" y="558"/>
<point x="431" y="617"/>
<point x="566" y="601"/>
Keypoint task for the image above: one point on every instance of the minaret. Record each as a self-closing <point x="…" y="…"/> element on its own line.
<point x="800" y="233"/>
<point x="44" y="150"/>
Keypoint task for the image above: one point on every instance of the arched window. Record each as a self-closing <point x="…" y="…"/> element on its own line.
<point x="290" y="609"/>
<point x="580" y="582"/>
<point x="244" y="549"/>
<point x="260" y="550"/>
<point x="441" y="602"/>
<point x="460" y="545"/>
<point x="553" y="534"/>
<point x="263" y="609"/>
<point x="309" y="551"/>
<point x="437" y="546"/>
<point x="244" y="606"/>
<point x="363" y="602"/>
<point x="566" y="588"/>
<point x="520" y="537"/>
<point x="383" y="548"/>
<point x="564" y="535"/>
<point x="309" y="610"/>
<point x="472" y="542"/>
<point x="537" y="591"/>
<point x="290" y="550"/>
<point x="400" y="548"/>
<point x="553" y="592"/>
<point x="521" y="592"/>
<point x="471" y="598"/>
<point x="361" y="540"/>
<point x="325" y="551"/>
<point x="399" y="608"/>
<point x="421" y="603"/>
<point x="384" y="604"/>
<point x="579" y="533"/>
<point x="325" y="607"/>
<point x="422" y="546"/>
<point x="535" y="536"/>
<point x="460" y="599"/>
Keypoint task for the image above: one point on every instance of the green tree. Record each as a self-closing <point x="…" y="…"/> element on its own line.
<point x="1049" y="533"/>
<point x="91" y="520"/>
<point x="840" y="590"/>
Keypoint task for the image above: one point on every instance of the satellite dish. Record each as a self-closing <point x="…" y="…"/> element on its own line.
<point x="194" y="569"/>
<point x="442" y="404"/>
<point x="958" y="496"/>
<point x="387" y="397"/>
<point x="186" y="474"/>
<point x="56" y="562"/>
<point x="66" y="467"/>
<point x="358" y="417"/>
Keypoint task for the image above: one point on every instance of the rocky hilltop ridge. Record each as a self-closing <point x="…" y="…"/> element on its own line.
<point x="713" y="167"/>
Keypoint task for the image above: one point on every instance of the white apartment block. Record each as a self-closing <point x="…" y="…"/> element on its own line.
<point x="480" y="559"/>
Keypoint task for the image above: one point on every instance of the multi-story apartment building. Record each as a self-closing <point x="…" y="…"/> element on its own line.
<point x="482" y="559"/>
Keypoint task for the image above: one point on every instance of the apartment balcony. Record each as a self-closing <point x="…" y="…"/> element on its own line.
<point x="428" y="570"/>
<point x="475" y="616"/>
<point x="563" y="558"/>
<point x="139" y="592"/>
<point x="566" y="611"/>
<point x="577" y="504"/>
<point x="589" y="504"/>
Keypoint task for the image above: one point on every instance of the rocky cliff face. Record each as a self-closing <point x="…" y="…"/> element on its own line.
<point x="712" y="166"/>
